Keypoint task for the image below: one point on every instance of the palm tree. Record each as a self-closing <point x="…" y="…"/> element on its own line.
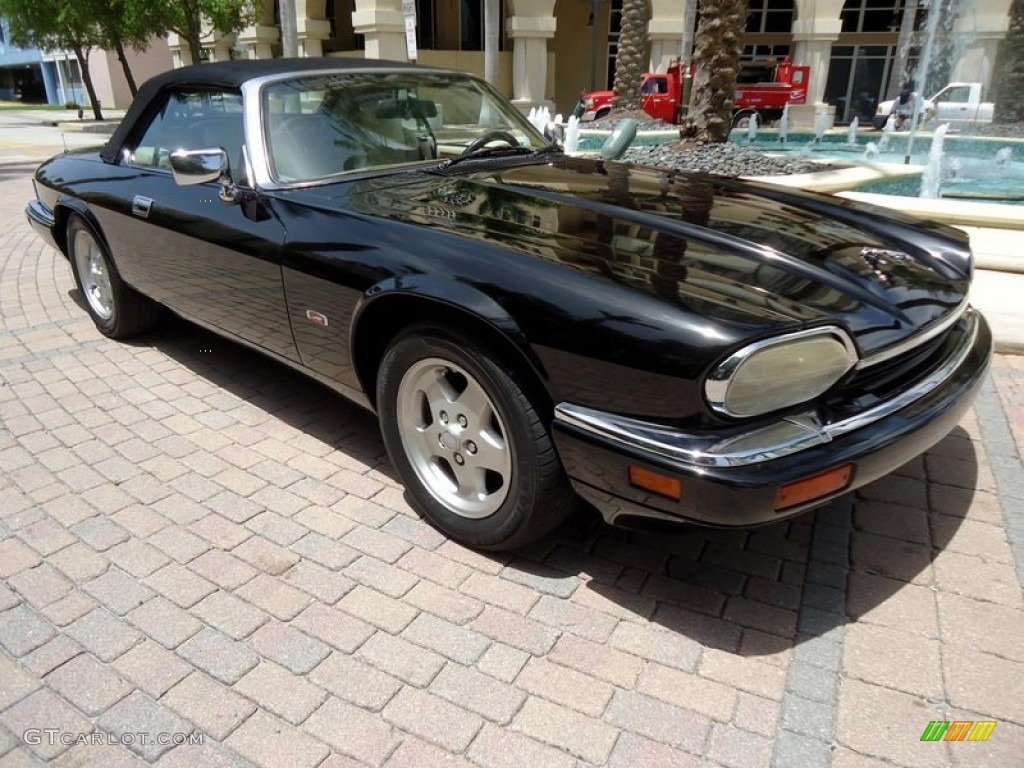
<point x="719" y="43"/>
<point x="1009" y="105"/>
<point x="631" y="58"/>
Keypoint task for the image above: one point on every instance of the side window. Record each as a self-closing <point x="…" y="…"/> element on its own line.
<point x="192" y="119"/>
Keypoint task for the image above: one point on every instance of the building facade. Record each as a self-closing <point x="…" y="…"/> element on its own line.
<point x="551" y="50"/>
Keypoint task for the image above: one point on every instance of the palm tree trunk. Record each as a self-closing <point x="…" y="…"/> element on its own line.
<point x="631" y="58"/>
<point x="1010" y="77"/>
<point x="719" y="44"/>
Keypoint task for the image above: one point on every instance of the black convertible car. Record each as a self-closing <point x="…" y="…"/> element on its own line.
<point x="528" y="326"/>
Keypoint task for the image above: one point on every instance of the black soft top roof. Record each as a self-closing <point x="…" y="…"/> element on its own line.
<point x="228" y="74"/>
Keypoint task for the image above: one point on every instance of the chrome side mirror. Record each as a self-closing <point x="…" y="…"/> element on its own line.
<point x="200" y="166"/>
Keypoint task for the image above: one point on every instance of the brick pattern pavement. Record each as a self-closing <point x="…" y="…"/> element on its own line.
<point x="205" y="542"/>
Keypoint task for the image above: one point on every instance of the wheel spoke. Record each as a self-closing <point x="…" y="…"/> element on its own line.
<point x="491" y="453"/>
<point x="476" y="405"/>
<point x="472" y="481"/>
<point x="439" y="392"/>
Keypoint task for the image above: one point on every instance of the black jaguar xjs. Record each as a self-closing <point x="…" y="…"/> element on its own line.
<point x="528" y="326"/>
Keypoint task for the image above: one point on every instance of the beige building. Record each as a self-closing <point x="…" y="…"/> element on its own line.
<point x="551" y="50"/>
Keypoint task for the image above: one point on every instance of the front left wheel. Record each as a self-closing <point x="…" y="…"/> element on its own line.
<point x="468" y="441"/>
<point x="117" y="309"/>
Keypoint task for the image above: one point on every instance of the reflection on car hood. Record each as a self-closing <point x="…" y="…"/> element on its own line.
<point x="741" y="253"/>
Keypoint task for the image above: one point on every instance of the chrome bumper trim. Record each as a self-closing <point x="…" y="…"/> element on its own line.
<point x="793" y="434"/>
<point x="39" y="212"/>
<point x="916" y="340"/>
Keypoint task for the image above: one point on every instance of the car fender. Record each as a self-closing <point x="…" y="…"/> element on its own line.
<point x="63" y="208"/>
<point x="450" y="296"/>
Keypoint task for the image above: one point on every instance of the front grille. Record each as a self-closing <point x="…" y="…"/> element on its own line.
<point x="865" y="388"/>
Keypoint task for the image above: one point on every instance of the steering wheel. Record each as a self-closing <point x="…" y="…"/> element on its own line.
<point x="488" y="137"/>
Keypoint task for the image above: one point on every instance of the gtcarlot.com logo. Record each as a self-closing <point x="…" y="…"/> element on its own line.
<point x="52" y="736"/>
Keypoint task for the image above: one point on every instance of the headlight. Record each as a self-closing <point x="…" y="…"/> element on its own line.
<point x="589" y="103"/>
<point x="777" y="373"/>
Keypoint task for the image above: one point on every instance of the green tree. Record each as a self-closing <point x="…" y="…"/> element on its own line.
<point x="185" y="17"/>
<point x="631" y="55"/>
<point x="124" y="24"/>
<point x="1010" y="77"/>
<point x="718" y="45"/>
<point x="56" y="25"/>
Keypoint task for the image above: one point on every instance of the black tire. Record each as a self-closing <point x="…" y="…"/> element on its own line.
<point x="516" y="506"/>
<point x="741" y="120"/>
<point x="117" y="309"/>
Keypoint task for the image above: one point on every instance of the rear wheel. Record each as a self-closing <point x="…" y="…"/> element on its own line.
<point x="116" y="308"/>
<point x="742" y="120"/>
<point x="468" y="442"/>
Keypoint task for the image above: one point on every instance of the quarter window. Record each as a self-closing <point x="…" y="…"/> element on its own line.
<point x="192" y="119"/>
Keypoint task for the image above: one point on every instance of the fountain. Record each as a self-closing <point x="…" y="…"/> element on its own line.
<point x="572" y="135"/>
<point x="870" y="152"/>
<point x="752" y="129"/>
<point x="1003" y="158"/>
<point x="887" y="133"/>
<point x="851" y="135"/>
<point x="784" y="124"/>
<point x="820" y="122"/>
<point x="931" y="179"/>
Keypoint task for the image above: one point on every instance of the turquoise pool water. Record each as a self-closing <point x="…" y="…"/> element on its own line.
<point x="972" y="169"/>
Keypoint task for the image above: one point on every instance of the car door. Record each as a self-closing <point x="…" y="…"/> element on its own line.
<point x="216" y="263"/>
<point x="954" y="103"/>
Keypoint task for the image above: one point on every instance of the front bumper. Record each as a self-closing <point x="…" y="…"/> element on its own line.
<point x="42" y="220"/>
<point x="735" y="482"/>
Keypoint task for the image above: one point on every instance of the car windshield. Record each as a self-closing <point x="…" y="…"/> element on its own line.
<point x="324" y="125"/>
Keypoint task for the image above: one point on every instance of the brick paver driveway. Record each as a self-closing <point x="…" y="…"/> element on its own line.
<point x="196" y="541"/>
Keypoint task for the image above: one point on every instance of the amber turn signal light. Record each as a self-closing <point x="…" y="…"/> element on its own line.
<point x="663" y="485"/>
<point x="813" y="487"/>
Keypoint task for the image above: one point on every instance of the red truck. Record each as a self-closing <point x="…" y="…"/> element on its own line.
<point x="762" y="88"/>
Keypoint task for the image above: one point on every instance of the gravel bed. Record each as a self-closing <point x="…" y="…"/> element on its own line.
<point x="723" y="159"/>
<point x="1009" y="131"/>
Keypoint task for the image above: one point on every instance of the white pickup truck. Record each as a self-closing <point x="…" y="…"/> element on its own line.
<point x="958" y="104"/>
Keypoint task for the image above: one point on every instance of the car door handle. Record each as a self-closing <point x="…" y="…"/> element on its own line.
<point x="141" y="206"/>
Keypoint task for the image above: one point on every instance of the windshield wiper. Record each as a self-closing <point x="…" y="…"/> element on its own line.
<point x="487" y="152"/>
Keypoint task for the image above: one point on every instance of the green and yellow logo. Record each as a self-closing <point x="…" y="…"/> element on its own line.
<point x="958" y="730"/>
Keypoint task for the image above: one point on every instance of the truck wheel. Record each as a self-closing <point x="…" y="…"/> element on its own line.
<point x="602" y="113"/>
<point x="741" y="120"/>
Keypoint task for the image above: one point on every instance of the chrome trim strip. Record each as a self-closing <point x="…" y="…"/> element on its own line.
<point x="40" y="213"/>
<point x="716" y="386"/>
<point x="791" y="435"/>
<point x="916" y="340"/>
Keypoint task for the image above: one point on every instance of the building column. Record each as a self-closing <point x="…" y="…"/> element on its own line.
<point x="530" y="26"/>
<point x="984" y="29"/>
<point x="312" y="27"/>
<point x="817" y="25"/>
<point x="259" y="39"/>
<point x="219" y="48"/>
<point x="381" y="23"/>
<point x="665" y="32"/>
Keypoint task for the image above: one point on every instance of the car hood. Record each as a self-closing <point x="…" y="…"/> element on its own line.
<point x="757" y="257"/>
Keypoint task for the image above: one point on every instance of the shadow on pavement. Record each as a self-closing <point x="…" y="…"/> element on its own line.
<point x="739" y="591"/>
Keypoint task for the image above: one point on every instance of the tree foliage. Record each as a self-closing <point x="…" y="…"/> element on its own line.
<point x="56" y="25"/>
<point x="1010" y="77"/>
<point x="631" y="55"/>
<point x="716" y="56"/>
<point x="185" y="17"/>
